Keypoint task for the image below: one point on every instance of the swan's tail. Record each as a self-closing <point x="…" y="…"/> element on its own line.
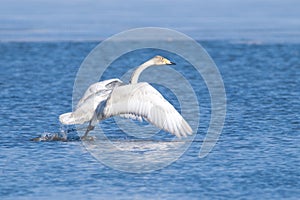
<point x="67" y="119"/>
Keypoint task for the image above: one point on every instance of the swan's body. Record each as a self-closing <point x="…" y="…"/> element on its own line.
<point x="135" y="100"/>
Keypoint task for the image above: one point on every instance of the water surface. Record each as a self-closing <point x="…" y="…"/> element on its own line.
<point x="257" y="155"/>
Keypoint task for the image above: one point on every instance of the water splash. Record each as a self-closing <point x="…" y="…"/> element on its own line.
<point x="64" y="135"/>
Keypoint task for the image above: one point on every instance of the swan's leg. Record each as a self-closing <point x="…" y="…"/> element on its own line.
<point x="89" y="128"/>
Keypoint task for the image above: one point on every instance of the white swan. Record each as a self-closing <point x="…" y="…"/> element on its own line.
<point x="134" y="100"/>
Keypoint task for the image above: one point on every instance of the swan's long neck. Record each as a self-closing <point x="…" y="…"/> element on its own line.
<point x="136" y="74"/>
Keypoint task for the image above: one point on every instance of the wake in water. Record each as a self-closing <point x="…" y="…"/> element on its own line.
<point x="70" y="134"/>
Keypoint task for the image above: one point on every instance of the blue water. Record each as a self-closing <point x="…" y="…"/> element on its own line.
<point x="257" y="156"/>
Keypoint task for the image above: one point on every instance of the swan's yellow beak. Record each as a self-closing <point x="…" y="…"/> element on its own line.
<point x="167" y="62"/>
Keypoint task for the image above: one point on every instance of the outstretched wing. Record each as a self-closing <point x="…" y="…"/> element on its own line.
<point x="94" y="95"/>
<point x="142" y="100"/>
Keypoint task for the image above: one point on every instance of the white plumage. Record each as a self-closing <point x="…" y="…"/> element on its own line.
<point x="135" y="101"/>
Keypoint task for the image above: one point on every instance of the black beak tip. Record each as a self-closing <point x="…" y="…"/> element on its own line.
<point x="172" y="63"/>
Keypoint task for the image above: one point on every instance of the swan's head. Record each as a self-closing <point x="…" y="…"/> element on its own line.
<point x="159" y="60"/>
